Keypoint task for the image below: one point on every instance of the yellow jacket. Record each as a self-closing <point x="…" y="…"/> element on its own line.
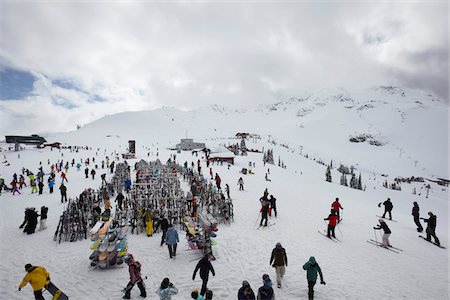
<point x="37" y="277"/>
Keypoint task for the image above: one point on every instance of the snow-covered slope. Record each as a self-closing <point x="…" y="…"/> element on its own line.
<point x="353" y="269"/>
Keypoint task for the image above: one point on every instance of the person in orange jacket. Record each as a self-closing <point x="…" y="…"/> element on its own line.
<point x="38" y="277"/>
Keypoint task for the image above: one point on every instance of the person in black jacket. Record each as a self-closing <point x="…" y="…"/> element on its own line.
<point x="246" y="292"/>
<point x="279" y="260"/>
<point x="44" y="211"/>
<point x="31" y="222"/>
<point x="264" y="210"/>
<point x="119" y="200"/>
<point x="63" y="190"/>
<point x="431" y="228"/>
<point x="25" y="219"/>
<point x="205" y="266"/>
<point x="387" y="232"/>
<point x="415" y="213"/>
<point x="388" y="208"/>
<point x="273" y="204"/>
<point x="164" y="224"/>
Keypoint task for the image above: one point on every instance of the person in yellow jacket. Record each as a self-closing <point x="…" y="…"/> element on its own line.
<point x="38" y="277"/>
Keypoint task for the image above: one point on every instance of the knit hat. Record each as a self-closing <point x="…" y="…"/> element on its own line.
<point x="265" y="277"/>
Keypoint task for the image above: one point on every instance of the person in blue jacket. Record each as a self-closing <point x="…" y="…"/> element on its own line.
<point x="312" y="268"/>
<point x="172" y="240"/>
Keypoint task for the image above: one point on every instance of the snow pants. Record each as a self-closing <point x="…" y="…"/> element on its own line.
<point x="204" y="284"/>
<point x="280" y="270"/>
<point x="172" y="250"/>
<point x="130" y="286"/>
<point x="385" y="239"/>
<point x="417" y="221"/>
<point x="311" y="285"/>
<point x="431" y="233"/>
<point x="389" y="212"/>
<point x="33" y="189"/>
<point x="330" y="230"/>
<point x="163" y="237"/>
<point x="38" y="295"/>
<point x="42" y="224"/>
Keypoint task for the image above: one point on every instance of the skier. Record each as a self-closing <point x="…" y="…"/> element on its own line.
<point x="246" y="292"/>
<point x="265" y="204"/>
<point x="93" y="174"/>
<point x="387" y="232"/>
<point x="134" y="267"/>
<point x="119" y="200"/>
<point x="164" y="223"/>
<point x="266" y="291"/>
<point x="387" y="208"/>
<point x="279" y="259"/>
<point x="336" y="206"/>
<point x="86" y="172"/>
<point x="38" y="277"/>
<point x="31" y="223"/>
<point x="332" y="221"/>
<point x="227" y="190"/>
<point x="205" y="266"/>
<point x="172" y="240"/>
<point x="42" y="224"/>
<point x="166" y="290"/>
<point x="273" y="204"/>
<point x="312" y="268"/>
<point x="431" y="228"/>
<point x="63" y="189"/>
<point x="241" y="184"/>
<point x="416" y="215"/>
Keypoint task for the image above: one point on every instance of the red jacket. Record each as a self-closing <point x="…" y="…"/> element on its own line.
<point x="336" y="205"/>
<point x="332" y="220"/>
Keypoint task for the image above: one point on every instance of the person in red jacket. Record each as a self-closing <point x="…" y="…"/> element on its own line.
<point x="332" y="221"/>
<point x="336" y="206"/>
<point x="134" y="268"/>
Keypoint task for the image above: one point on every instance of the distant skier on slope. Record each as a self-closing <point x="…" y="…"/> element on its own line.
<point x="416" y="214"/>
<point x="312" y="268"/>
<point x="431" y="228"/>
<point x="387" y="232"/>
<point x="336" y="206"/>
<point x="241" y="184"/>
<point x="332" y="221"/>
<point x="388" y="206"/>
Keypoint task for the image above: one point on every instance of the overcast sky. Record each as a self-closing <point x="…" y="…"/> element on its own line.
<point x="63" y="64"/>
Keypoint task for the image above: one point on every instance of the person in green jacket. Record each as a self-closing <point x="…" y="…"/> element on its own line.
<point x="312" y="268"/>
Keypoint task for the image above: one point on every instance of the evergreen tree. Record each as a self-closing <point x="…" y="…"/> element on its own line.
<point x="328" y="174"/>
<point x="353" y="182"/>
<point x="344" y="180"/>
<point x="279" y="161"/>
<point x="359" y="182"/>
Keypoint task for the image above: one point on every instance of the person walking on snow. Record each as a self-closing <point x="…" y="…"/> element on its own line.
<point x="134" y="268"/>
<point x="241" y="184"/>
<point x="387" y="208"/>
<point x="51" y="184"/>
<point x="119" y="200"/>
<point x="164" y="224"/>
<point x="93" y="173"/>
<point x="280" y="262"/>
<point x="86" y="172"/>
<point x="64" y="177"/>
<point x="63" y="190"/>
<point x="172" y="240"/>
<point x="265" y="204"/>
<point x="312" y="268"/>
<point x="266" y="292"/>
<point x="336" y="206"/>
<point x="205" y="267"/>
<point x="431" y="228"/>
<point x="38" y="277"/>
<point x="273" y="204"/>
<point x="33" y="185"/>
<point x="387" y="232"/>
<point x="166" y="290"/>
<point x="332" y="221"/>
<point x="227" y="190"/>
<point x="416" y="214"/>
<point x="246" y="292"/>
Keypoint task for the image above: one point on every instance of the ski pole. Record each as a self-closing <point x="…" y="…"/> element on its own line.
<point x="376" y="240"/>
<point x="340" y="230"/>
<point x="257" y="219"/>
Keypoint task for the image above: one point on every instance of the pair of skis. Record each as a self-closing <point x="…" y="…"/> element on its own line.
<point x="331" y="238"/>
<point x="390" y="248"/>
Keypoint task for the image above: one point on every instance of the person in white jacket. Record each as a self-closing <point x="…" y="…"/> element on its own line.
<point x="166" y="290"/>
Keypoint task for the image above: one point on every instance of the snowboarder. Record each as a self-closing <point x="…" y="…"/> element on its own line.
<point x="172" y="240"/>
<point x="266" y="291"/>
<point x="387" y="232"/>
<point x="86" y="172"/>
<point x="431" y="228"/>
<point x="164" y="223"/>
<point x="38" y="277"/>
<point x="387" y="208"/>
<point x="273" y="204"/>
<point x="332" y="221"/>
<point x="205" y="267"/>
<point x="312" y="268"/>
<point x="279" y="259"/>
<point x="265" y="204"/>
<point x="336" y="206"/>
<point x="241" y="184"/>
<point x="42" y="224"/>
<point x="166" y="290"/>
<point x="63" y="190"/>
<point x="246" y="292"/>
<point x="134" y="267"/>
<point x="93" y="174"/>
<point x="119" y="200"/>
<point x="227" y="190"/>
<point x="416" y="215"/>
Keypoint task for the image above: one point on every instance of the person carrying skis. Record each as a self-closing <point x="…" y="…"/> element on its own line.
<point x="280" y="262"/>
<point x="172" y="240"/>
<point x="387" y="232"/>
<point x="241" y="184"/>
<point x="336" y="206"/>
<point x="134" y="267"/>
<point x="332" y="221"/>
<point x="387" y="208"/>
<point x="265" y="292"/>
<point x="38" y="277"/>
<point x="42" y="224"/>
<point x="265" y="204"/>
<point x="246" y="292"/>
<point x="63" y="190"/>
<point x="166" y="290"/>
<point x="273" y="204"/>
<point x="312" y="268"/>
<point x="431" y="228"/>
<point x="205" y="267"/>
<point x="415" y="213"/>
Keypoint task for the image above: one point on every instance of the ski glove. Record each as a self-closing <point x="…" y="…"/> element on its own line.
<point x="323" y="282"/>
